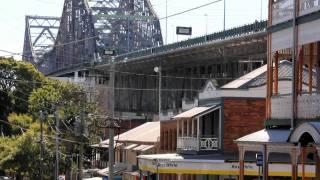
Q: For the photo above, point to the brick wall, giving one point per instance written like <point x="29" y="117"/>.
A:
<point x="168" y="136"/>
<point x="241" y="117"/>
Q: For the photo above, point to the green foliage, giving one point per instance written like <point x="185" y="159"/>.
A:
<point x="24" y="92"/>
<point x="22" y="121"/>
<point x="19" y="155"/>
<point x="17" y="81"/>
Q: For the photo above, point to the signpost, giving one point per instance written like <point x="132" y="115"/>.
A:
<point x="259" y="163"/>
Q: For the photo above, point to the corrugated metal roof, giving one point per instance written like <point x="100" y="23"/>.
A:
<point x="266" y="136"/>
<point x="194" y="112"/>
<point x="147" y="148"/>
<point x="246" y="78"/>
<point x="106" y="145"/>
<point x="258" y="77"/>
<point x="148" y="132"/>
<point x="141" y="147"/>
<point x="130" y="146"/>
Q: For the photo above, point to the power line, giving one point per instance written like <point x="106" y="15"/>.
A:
<point x="188" y="10"/>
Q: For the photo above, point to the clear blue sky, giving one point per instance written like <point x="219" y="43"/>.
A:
<point x="207" y="19"/>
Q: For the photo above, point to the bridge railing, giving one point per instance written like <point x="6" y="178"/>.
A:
<point x="230" y="33"/>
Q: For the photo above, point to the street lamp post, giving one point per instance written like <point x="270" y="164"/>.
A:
<point x="206" y="15"/>
<point x="158" y="70"/>
<point x="224" y="15"/>
<point x="166" y="22"/>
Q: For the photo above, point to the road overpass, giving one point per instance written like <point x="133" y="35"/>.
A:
<point x="186" y="66"/>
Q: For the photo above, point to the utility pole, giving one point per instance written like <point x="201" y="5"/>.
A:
<point x="111" y="112"/>
<point x="294" y="66"/>
<point x="159" y="70"/>
<point x="57" y="145"/>
<point x="109" y="121"/>
<point x="261" y="10"/>
<point x="41" y="145"/>
<point x="71" y="173"/>
<point x="81" y="136"/>
<point x="77" y="170"/>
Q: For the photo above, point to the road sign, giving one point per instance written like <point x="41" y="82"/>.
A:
<point x="184" y="30"/>
<point x="259" y="159"/>
<point x="109" y="52"/>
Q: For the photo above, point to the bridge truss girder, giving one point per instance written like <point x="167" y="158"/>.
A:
<point x="87" y="29"/>
<point x="40" y="36"/>
<point x="126" y="25"/>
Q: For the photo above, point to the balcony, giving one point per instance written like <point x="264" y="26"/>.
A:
<point x="282" y="11"/>
<point x="308" y="106"/>
<point x="199" y="130"/>
<point x="197" y="144"/>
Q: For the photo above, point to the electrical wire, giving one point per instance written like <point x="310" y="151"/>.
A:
<point x="188" y="10"/>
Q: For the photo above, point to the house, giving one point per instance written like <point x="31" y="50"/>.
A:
<point x="292" y="120"/>
<point x="199" y="143"/>
<point x="143" y="139"/>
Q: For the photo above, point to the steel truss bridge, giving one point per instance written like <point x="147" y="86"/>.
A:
<point x="89" y="28"/>
<point x="39" y="39"/>
<point x="132" y="29"/>
<point x="186" y="66"/>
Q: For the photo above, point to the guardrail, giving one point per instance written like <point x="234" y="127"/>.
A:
<point x="234" y="32"/>
<point x="205" y="143"/>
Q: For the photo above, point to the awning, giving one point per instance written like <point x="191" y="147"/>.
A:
<point x="130" y="146"/>
<point x="106" y="145"/>
<point x="146" y="133"/>
<point x="266" y="136"/>
<point x="141" y="147"/>
<point x="180" y="164"/>
<point x="148" y="147"/>
<point x="197" y="111"/>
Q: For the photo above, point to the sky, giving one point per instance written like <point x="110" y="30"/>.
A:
<point x="203" y="21"/>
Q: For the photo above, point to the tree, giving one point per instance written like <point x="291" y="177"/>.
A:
<point x="17" y="81"/>
<point x="24" y="92"/>
<point x="19" y="155"/>
<point x="69" y="100"/>
<point x="22" y="122"/>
